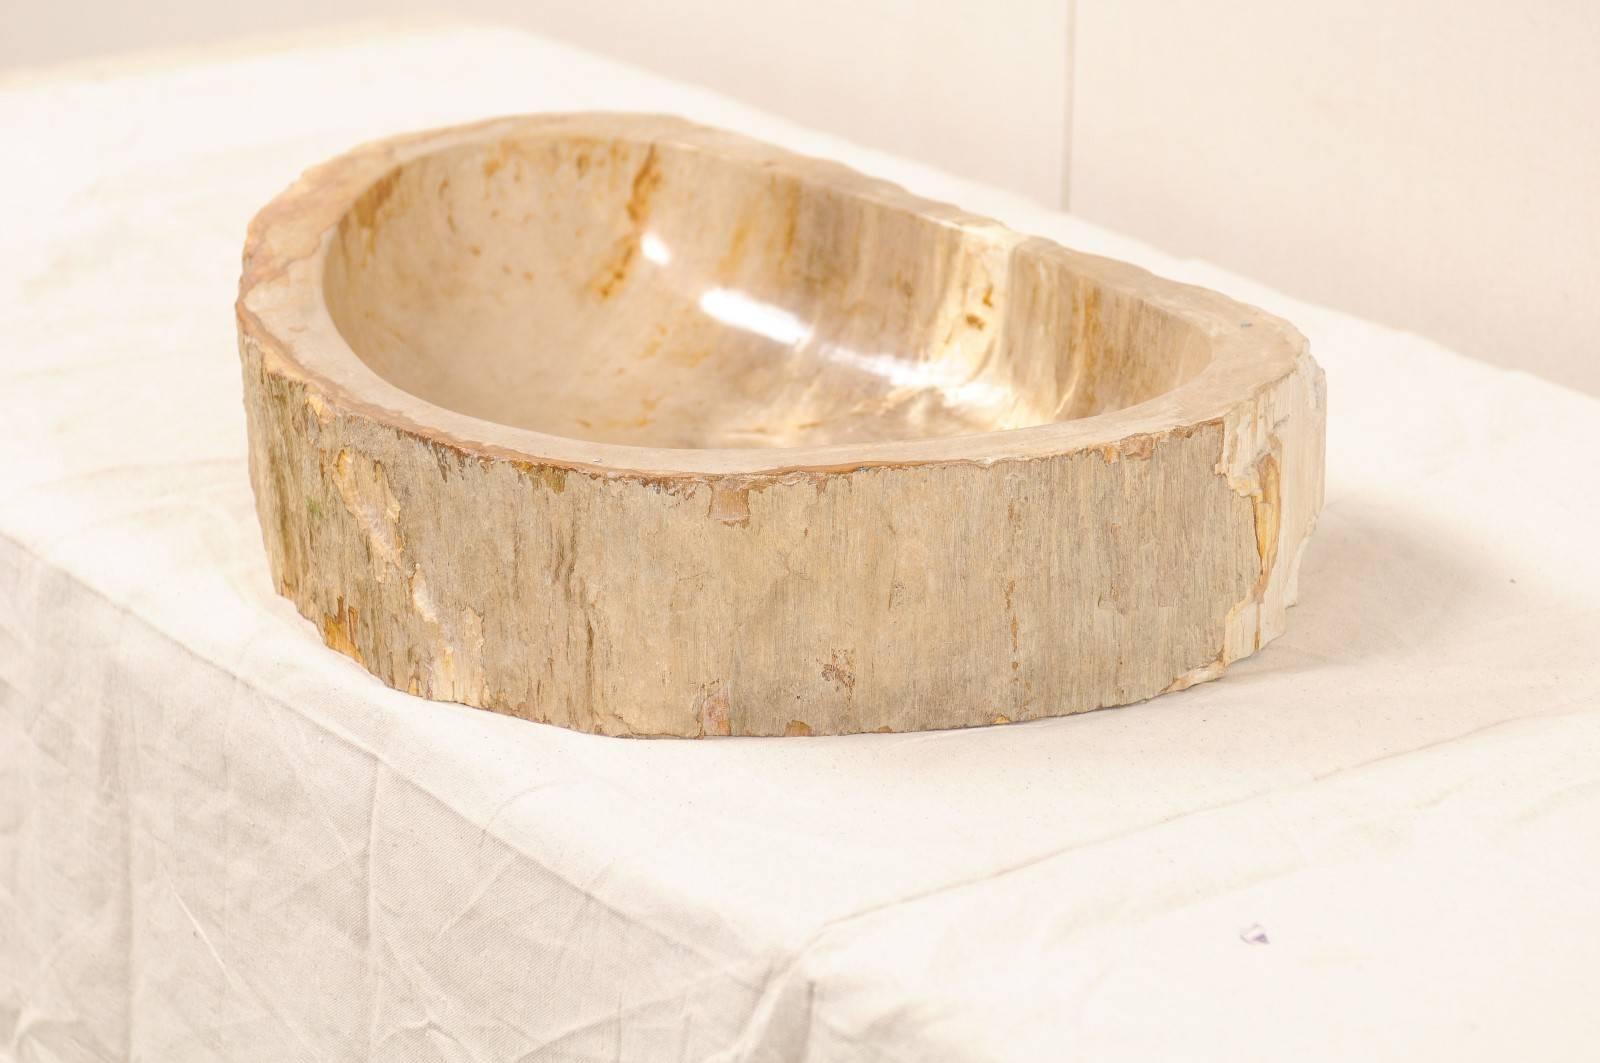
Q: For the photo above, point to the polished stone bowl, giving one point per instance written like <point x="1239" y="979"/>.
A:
<point x="638" y="427"/>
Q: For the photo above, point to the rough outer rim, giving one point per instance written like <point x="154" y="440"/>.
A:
<point x="280" y="296"/>
<point x="1261" y="398"/>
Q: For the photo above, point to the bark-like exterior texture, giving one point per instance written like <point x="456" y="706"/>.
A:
<point x="1074" y="486"/>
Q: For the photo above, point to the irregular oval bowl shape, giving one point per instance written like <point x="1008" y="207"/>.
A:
<point x="638" y="427"/>
<point x="615" y="285"/>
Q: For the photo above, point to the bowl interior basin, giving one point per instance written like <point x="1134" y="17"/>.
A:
<point x="655" y="290"/>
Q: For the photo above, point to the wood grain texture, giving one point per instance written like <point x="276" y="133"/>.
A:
<point x="640" y="428"/>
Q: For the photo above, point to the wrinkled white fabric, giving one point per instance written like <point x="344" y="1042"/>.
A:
<point x="1378" y="839"/>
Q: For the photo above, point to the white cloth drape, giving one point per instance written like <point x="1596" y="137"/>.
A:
<point x="1378" y="839"/>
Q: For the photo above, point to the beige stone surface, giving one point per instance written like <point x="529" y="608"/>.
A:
<point x="643" y="428"/>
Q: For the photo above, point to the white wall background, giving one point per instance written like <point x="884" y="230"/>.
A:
<point x="1434" y="165"/>
<point x="978" y="94"/>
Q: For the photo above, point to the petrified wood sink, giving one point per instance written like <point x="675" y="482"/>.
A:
<point x="638" y="427"/>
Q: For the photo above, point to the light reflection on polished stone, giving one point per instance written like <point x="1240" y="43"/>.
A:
<point x="639" y="282"/>
<point x="643" y="428"/>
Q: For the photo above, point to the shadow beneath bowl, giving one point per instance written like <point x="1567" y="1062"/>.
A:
<point x="1378" y="582"/>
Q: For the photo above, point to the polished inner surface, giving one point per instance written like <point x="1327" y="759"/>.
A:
<point x="669" y="293"/>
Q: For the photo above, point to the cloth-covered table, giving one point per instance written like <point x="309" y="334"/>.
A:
<point x="219" y="840"/>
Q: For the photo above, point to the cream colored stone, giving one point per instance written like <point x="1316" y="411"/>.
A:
<point x="641" y="428"/>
